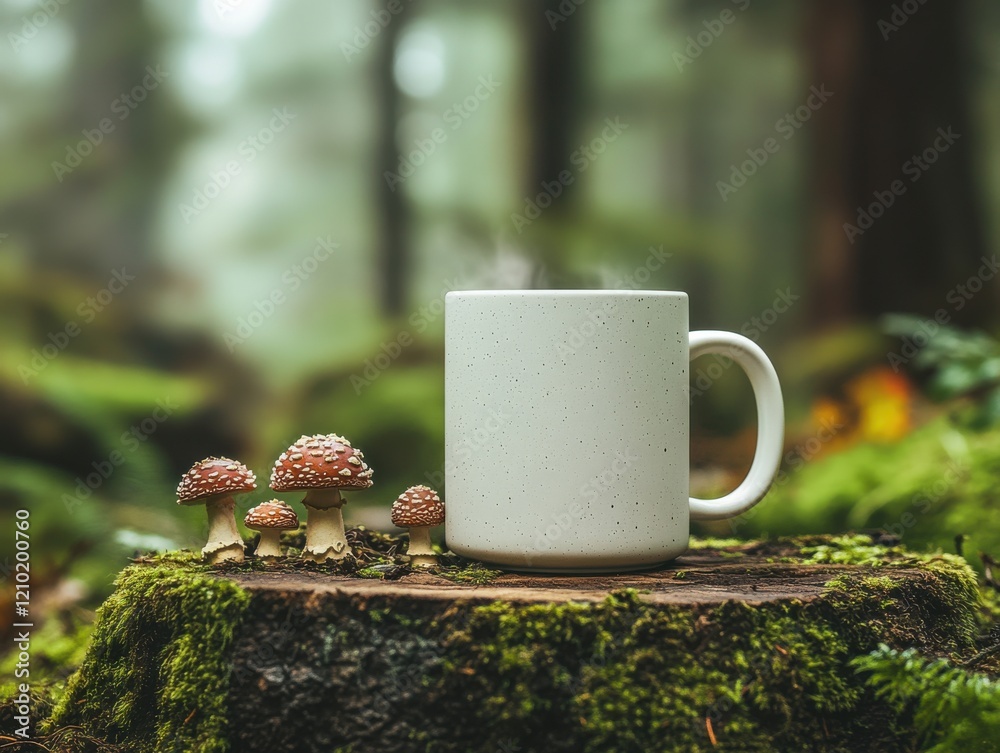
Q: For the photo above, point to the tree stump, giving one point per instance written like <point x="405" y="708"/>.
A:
<point x="733" y="647"/>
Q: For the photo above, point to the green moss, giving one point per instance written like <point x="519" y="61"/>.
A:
<point x="375" y="555"/>
<point x="621" y="674"/>
<point x="182" y="558"/>
<point x="935" y="484"/>
<point x="471" y="574"/>
<point x="626" y="675"/>
<point x="856" y="549"/>
<point x="156" y="676"/>
<point x="702" y="542"/>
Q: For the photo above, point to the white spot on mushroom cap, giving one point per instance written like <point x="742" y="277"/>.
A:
<point x="330" y="455"/>
<point x="272" y="514"/>
<point x="212" y="476"/>
<point x="418" y="506"/>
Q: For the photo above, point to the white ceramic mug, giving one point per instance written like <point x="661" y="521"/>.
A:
<point x="566" y="427"/>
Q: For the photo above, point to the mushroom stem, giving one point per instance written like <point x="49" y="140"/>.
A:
<point x="420" y="550"/>
<point x="325" y="537"/>
<point x="224" y="542"/>
<point x="269" y="546"/>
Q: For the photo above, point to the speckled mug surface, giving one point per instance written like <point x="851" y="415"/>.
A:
<point x="566" y="427"/>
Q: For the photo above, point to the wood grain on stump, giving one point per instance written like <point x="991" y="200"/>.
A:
<point x="694" y="579"/>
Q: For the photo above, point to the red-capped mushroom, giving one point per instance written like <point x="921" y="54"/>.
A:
<point x="213" y="482"/>
<point x="270" y="519"/>
<point x="419" y="508"/>
<point x="322" y="465"/>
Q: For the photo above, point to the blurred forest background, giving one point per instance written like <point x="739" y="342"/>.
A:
<point x="225" y="223"/>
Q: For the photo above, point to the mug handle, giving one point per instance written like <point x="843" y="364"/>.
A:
<point x="770" y="422"/>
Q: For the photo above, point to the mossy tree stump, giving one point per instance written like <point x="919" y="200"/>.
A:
<point x="731" y="648"/>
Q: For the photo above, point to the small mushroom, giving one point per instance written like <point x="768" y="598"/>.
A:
<point x="270" y="519"/>
<point x="213" y="482"/>
<point x="419" y="508"/>
<point x="322" y="465"/>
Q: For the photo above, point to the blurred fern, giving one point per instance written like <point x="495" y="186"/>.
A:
<point x="960" y="363"/>
<point x="953" y="710"/>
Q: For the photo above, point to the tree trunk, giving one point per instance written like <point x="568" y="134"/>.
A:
<point x="553" y="71"/>
<point x="899" y="82"/>
<point x="394" y="249"/>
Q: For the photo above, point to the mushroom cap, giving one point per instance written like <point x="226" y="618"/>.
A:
<point x="271" y="514"/>
<point x="213" y="476"/>
<point x="321" y="461"/>
<point x="418" y="506"/>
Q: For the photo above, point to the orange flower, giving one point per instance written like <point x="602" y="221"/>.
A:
<point x="884" y="400"/>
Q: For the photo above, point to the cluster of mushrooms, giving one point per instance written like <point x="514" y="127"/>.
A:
<point x="321" y="465"/>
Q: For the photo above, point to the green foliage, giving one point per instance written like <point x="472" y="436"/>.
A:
<point x="157" y="673"/>
<point x="960" y="363"/>
<point x="57" y="648"/>
<point x="473" y="574"/>
<point x="936" y="483"/>
<point x="952" y="709"/>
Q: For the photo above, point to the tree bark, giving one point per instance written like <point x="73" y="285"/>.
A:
<point x="899" y="82"/>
